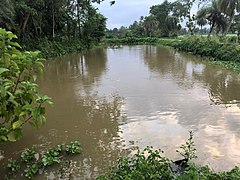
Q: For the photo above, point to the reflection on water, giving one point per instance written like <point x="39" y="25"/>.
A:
<point x="127" y="98"/>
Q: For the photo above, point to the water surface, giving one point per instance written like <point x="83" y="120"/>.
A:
<point x="132" y="97"/>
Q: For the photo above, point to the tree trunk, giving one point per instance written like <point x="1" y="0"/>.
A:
<point x="24" y="25"/>
<point x="79" y="23"/>
<point x="211" y="29"/>
<point x="53" y="22"/>
<point x="229" y="24"/>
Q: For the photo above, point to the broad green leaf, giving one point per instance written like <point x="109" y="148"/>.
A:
<point x="2" y="31"/>
<point x="40" y="64"/>
<point x="4" y="138"/>
<point x="18" y="91"/>
<point x="34" y="77"/>
<point x="3" y="91"/>
<point x="11" y="136"/>
<point x="2" y="70"/>
<point x="11" y="35"/>
<point x="34" y="125"/>
<point x="22" y="114"/>
<point x="17" y="124"/>
<point x="50" y="102"/>
<point x="15" y="44"/>
<point x="35" y="53"/>
<point x="43" y="120"/>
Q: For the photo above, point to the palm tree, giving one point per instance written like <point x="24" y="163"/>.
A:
<point x="201" y="22"/>
<point x="213" y="15"/>
<point x="229" y="8"/>
<point x="172" y="24"/>
<point x="7" y="14"/>
<point x="150" y="24"/>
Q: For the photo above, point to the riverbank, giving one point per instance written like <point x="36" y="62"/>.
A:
<point x="58" y="47"/>
<point x="220" y="51"/>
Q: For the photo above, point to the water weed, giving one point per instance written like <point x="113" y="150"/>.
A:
<point x="31" y="161"/>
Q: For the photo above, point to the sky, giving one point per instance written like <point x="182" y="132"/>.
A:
<point x="125" y="12"/>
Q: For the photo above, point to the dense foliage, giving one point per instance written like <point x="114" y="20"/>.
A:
<point x="130" y="41"/>
<point x="58" y="20"/>
<point x="222" y="52"/>
<point x="172" y="18"/>
<point x="151" y="164"/>
<point x="31" y="161"/>
<point x="141" y="166"/>
<point x="21" y="101"/>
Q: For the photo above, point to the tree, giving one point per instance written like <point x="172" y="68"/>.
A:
<point x="21" y="101"/>
<point x="160" y="13"/>
<point x="150" y="24"/>
<point x="236" y="26"/>
<point x="137" y="29"/>
<point x="94" y="27"/>
<point x="7" y="14"/>
<point x="49" y="19"/>
<point x="213" y="14"/>
<point x="229" y="7"/>
<point x="172" y="25"/>
<point x="201" y="21"/>
<point x="185" y="7"/>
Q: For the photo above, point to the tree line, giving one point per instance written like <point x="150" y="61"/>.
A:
<point x="53" y="19"/>
<point x="170" y="19"/>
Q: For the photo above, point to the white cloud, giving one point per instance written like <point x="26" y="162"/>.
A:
<point x="125" y="12"/>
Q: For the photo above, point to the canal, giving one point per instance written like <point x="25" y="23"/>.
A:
<point x="117" y="100"/>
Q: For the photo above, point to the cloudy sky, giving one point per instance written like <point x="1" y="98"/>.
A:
<point x="125" y="12"/>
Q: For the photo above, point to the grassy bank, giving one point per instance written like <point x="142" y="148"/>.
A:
<point x="130" y="41"/>
<point x="57" y="47"/>
<point x="222" y="51"/>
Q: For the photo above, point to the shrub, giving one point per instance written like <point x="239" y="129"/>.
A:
<point x="21" y="101"/>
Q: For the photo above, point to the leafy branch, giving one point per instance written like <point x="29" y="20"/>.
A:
<point x="188" y="150"/>
<point x="21" y="101"/>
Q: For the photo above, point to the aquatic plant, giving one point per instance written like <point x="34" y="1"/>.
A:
<point x="74" y="147"/>
<point x="27" y="155"/>
<point x="51" y="156"/>
<point x="14" y="166"/>
<point x="188" y="150"/>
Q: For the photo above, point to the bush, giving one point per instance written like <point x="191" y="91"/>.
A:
<point x="226" y="54"/>
<point x="150" y="165"/>
<point x="130" y="41"/>
<point x="21" y="101"/>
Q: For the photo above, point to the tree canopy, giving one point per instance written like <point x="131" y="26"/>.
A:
<point x="171" y="18"/>
<point x="52" y="19"/>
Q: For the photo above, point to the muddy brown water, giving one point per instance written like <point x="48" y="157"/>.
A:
<point x="118" y="100"/>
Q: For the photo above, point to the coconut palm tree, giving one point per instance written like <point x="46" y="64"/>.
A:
<point x="229" y="8"/>
<point x="201" y="22"/>
<point x="150" y="24"/>
<point x="172" y="25"/>
<point x="213" y="15"/>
